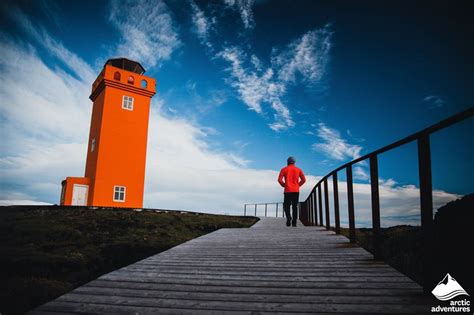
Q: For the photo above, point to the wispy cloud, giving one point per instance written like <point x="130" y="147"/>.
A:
<point x="201" y="24"/>
<point x="434" y="101"/>
<point x="257" y="87"/>
<point x="360" y="173"/>
<point x="147" y="30"/>
<point x="334" y="146"/>
<point x="306" y="56"/>
<point x="205" y="102"/>
<point x="55" y="48"/>
<point x="244" y="7"/>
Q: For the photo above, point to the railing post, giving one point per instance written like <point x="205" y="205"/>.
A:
<point x="277" y="209"/>
<point x="326" y="203"/>
<point x="255" y="209"/>
<point x="426" y="207"/>
<point x="315" y="207"/>
<point x="336" y="203"/>
<point x="350" y="203"/>
<point x="265" y="210"/>
<point x="374" y="192"/>
<point x="320" y="203"/>
<point x="308" y="209"/>
<point x="245" y="210"/>
<point x="308" y="213"/>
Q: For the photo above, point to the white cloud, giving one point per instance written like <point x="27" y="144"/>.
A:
<point x="434" y="100"/>
<point x="307" y="56"/>
<point x="360" y="173"/>
<point x="257" y="87"/>
<point x="147" y="31"/>
<point x="42" y="103"/>
<point x="207" y="102"/>
<point x="334" y="146"/>
<point x="12" y="202"/>
<point x="245" y="10"/>
<point x="202" y="25"/>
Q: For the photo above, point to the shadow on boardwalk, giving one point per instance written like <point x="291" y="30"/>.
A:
<point x="267" y="268"/>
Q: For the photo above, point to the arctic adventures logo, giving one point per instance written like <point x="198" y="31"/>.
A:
<point x="448" y="289"/>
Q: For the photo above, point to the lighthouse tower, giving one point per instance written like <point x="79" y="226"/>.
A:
<point x="116" y="154"/>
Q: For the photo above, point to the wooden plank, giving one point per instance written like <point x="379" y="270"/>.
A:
<point x="332" y="277"/>
<point x="262" y="283"/>
<point x="372" y="292"/>
<point x="99" y="308"/>
<point x="267" y="273"/>
<point x="83" y="300"/>
<point x="380" y="269"/>
<point x="246" y="297"/>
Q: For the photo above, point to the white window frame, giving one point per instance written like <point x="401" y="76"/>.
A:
<point x="127" y="102"/>
<point x="118" y="189"/>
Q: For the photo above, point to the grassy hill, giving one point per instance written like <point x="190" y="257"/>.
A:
<point x="47" y="251"/>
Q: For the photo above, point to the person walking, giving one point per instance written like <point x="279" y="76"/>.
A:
<point x="293" y="179"/>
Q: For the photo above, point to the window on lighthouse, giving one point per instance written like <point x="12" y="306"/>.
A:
<point x="119" y="193"/>
<point x="127" y="102"/>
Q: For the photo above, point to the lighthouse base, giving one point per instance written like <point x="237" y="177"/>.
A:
<point x="75" y="191"/>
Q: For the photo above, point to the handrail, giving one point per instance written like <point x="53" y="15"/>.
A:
<point x="312" y="207"/>
<point x="266" y="207"/>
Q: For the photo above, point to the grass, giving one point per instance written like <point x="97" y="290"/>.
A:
<point x="48" y="251"/>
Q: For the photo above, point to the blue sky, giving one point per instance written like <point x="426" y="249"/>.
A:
<point x="241" y="85"/>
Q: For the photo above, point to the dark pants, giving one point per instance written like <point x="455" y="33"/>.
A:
<point x="291" y="198"/>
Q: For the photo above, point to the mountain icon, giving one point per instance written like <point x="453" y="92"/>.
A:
<point x="448" y="288"/>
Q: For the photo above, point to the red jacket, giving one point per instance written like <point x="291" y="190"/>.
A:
<point x="292" y="175"/>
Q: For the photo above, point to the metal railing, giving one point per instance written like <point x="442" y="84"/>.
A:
<point x="311" y="210"/>
<point x="254" y="207"/>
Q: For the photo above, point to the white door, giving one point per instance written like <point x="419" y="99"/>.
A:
<point x="79" y="195"/>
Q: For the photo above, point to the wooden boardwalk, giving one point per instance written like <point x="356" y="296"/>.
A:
<point x="268" y="268"/>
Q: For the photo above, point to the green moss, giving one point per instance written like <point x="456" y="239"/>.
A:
<point x="47" y="251"/>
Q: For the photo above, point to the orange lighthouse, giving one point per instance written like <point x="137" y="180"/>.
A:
<point x="116" y="154"/>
